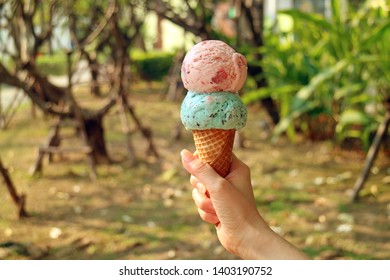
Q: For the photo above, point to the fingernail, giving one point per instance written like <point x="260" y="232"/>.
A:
<point x="187" y="156"/>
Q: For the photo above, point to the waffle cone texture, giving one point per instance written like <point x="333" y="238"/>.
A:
<point x="215" y="147"/>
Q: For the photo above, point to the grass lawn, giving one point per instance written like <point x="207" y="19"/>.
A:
<point x="146" y="211"/>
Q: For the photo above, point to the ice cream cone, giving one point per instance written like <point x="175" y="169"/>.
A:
<point x="213" y="73"/>
<point x="215" y="146"/>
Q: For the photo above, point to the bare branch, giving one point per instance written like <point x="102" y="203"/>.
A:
<point x="193" y="25"/>
<point x="255" y="30"/>
<point x="106" y="108"/>
<point x="92" y="36"/>
<point x="190" y="9"/>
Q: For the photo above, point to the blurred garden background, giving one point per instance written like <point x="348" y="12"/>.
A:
<point x="90" y="132"/>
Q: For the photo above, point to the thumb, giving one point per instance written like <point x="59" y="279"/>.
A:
<point x="204" y="173"/>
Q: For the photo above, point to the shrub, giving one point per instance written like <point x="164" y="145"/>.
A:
<point x="152" y="66"/>
<point x="54" y="64"/>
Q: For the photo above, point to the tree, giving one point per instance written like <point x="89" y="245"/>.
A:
<point x="91" y="33"/>
<point x="26" y="42"/>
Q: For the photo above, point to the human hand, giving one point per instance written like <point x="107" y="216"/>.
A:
<point x="231" y="207"/>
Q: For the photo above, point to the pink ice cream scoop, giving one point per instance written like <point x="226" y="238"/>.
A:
<point x="212" y="66"/>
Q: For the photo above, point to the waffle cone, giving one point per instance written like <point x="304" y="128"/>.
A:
<point x="215" y="146"/>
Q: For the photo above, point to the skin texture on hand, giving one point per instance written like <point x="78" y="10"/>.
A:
<point x="231" y="207"/>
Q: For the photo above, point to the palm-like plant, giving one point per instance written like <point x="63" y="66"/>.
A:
<point x="335" y="68"/>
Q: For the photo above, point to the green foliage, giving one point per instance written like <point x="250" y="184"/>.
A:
<point x="329" y="67"/>
<point x="152" y="65"/>
<point x="52" y="64"/>
<point x="7" y="61"/>
<point x="355" y="124"/>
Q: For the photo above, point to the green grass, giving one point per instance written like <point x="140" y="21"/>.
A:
<point x="315" y="251"/>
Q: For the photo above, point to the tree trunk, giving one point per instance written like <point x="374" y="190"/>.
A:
<point x="94" y="71"/>
<point x="159" y="42"/>
<point x="371" y="156"/>
<point x="94" y="133"/>
<point x="255" y="17"/>
<point x="95" y="89"/>
<point x="19" y="200"/>
<point x="269" y="105"/>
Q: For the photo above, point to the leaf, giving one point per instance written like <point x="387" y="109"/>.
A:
<point x="316" y="111"/>
<point x="256" y="95"/>
<point x="285" y="122"/>
<point x="377" y="34"/>
<point x="262" y="93"/>
<point x="317" y="20"/>
<point x="352" y="116"/>
<point x="363" y="98"/>
<point x="346" y="218"/>
<point x="305" y="92"/>
<point x="344" y="228"/>
<point x="336" y="11"/>
<point x="347" y="90"/>
<point x="368" y="58"/>
<point x="168" y="175"/>
<point x="55" y="233"/>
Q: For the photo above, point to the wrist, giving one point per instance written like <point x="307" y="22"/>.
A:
<point x="263" y="243"/>
<point x="258" y="238"/>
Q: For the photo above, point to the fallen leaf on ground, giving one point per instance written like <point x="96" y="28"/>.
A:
<point x="55" y="233"/>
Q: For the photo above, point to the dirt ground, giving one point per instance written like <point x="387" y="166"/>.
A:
<point x="146" y="212"/>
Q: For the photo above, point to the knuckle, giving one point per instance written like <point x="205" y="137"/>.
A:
<point x="198" y="165"/>
<point x="201" y="201"/>
<point x="195" y="197"/>
<point x="193" y="180"/>
<point x="219" y="185"/>
<point x="245" y="169"/>
<point x="204" y="204"/>
<point x="202" y="214"/>
<point x="207" y="217"/>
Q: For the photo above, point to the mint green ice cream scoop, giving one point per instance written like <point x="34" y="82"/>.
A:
<point x="213" y="110"/>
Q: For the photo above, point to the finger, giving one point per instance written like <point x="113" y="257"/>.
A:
<point x="203" y="202"/>
<point x="207" y="217"/>
<point x="193" y="181"/>
<point x="214" y="183"/>
<point x="198" y="185"/>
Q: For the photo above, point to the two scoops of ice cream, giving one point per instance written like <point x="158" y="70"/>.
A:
<point x="213" y="73"/>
